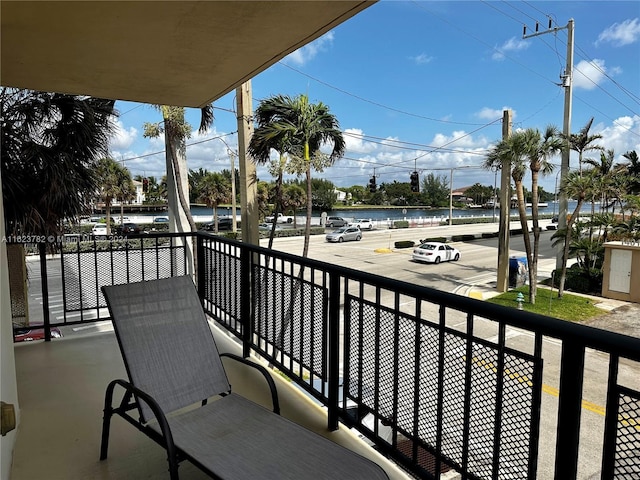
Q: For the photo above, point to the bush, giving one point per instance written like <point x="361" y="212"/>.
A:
<point x="462" y="238"/>
<point x="404" y="244"/>
<point x="434" y="239"/>
<point x="489" y="235"/>
<point x="400" y="224"/>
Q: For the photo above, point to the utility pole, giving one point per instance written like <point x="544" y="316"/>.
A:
<point x="232" y="156"/>
<point x="502" y="284"/>
<point x="451" y="198"/>
<point x="248" y="177"/>
<point x="567" y="84"/>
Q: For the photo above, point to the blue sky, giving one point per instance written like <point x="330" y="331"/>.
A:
<point x="423" y="84"/>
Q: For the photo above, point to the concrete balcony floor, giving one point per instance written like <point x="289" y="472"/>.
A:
<point x="61" y="387"/>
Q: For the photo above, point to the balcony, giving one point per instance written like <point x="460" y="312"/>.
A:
<point x="443" y="385"/>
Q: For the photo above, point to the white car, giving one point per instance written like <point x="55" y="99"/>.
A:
<point x="99" y="230"/>
<point x="435" y="252"/>
<point x="362" y="223"/>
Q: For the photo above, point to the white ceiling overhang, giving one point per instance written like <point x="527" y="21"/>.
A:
<point x="183" y="53"/>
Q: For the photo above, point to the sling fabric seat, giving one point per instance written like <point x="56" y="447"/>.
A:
<point x="178" y="384"/>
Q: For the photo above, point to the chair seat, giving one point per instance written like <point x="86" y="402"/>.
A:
<point x="241" y="440"/>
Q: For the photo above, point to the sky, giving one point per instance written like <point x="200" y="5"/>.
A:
<point x="423" y="85"/>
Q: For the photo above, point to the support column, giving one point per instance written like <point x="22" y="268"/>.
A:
<point x="248" y="178"/>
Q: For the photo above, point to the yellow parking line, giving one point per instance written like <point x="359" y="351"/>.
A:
<point x="624" y="419"/>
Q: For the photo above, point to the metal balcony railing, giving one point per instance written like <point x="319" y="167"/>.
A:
<point x="433" y="380"/>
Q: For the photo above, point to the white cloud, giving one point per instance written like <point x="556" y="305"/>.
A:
<point x="355" y="143"/>
<point x="421" y="59"/>
<point x="621" y="34"/>
<point x="588" y="75"/>
<point x="309" y="51"/>
<point x="492" y="114"/>
<point x="621" y="136"/>
<point x="122" y="137"/>
<point x="511" y="45"/>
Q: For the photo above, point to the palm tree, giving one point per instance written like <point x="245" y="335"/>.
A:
<point x="214" y="190"/>
<point x="633" y="171"/>
<point x="271" y="134"/>
<point x="514" y="150"/>
<point x="49" y="144"/>
<point x="114" y="182"/>
<point x="583" y="142"/>
<point x="294" y="197"/>
<point x="300" y="128"/>
<point x="539" y="149"/>
<point x="577" y="185"/>
<point x="176" y="130"/>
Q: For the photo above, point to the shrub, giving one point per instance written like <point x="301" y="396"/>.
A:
<point x="400" y="224"/>
<point x="404" y="244"/>
<point x="434" y="239"/>
<point x="489" y="235"/>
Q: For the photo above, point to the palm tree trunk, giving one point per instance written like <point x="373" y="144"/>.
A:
<point x="522" y="212"/>
<point x="533" y="265"/>
<point x="567" y="243"/>
<point x="307" y="228"/>
<point x="172" y="150"/>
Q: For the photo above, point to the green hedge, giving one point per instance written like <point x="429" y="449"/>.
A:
<point x="463" y="238"/>
<point x="404" y="244"/>
<point x="400" y="224"/>
<point x="434" y="239"/>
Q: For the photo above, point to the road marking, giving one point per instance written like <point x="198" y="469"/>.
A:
<point x="624" y="419"/>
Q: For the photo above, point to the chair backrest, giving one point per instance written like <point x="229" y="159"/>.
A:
<point x="166" y="342"/>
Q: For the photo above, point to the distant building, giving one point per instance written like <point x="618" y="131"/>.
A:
<point x="340" y="195"/>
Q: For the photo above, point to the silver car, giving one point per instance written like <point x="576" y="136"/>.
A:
<point x="344" y="235"/>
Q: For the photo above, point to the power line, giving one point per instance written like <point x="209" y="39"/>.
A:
<point x="377" y="104"/>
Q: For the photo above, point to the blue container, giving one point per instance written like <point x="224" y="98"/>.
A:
<point x="518" y="271"/>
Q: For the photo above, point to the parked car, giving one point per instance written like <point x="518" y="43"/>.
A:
<point x="344" y="234"/>
<point x="224" y="223"/>
<point x="268" y="227"/>
<point x="554" y="219"/>
<point x="161" y="220"/>
<point x="33" y="332"/>
<point x="128" y="227"/>
<point x="362" y="223"/>
<point x="435" y="252"/>
<point x="336" y="222"/>
<point x="99" y="230"/>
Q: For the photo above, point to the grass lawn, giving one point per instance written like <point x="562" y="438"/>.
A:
<point x="569" y="307"/>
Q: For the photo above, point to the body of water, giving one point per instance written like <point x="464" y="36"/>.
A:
<point x="383" y="213"/>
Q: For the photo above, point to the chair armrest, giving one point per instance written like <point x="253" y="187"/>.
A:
<point x="267" y="376"/>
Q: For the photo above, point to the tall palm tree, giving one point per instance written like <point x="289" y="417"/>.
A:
<point x="632" y="168"/>
<point x="272" y="134"/>
<point x="577" y="185"/>
<point x="114" y="182"/>
<point x="539" y="150"/>
<point x="49" y="144"/>
<point x="299" y="128"/>
<point x="582" y="142"/>
<point x="312" y="126"/>
<point x="176" y="131"/>
<point x="214" y="190"/>
<point x="514" y="150"/>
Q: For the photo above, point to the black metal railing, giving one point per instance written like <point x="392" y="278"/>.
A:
<point x="434" y="380"/>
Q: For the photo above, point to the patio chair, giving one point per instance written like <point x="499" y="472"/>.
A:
<point x="178" y="384"/>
